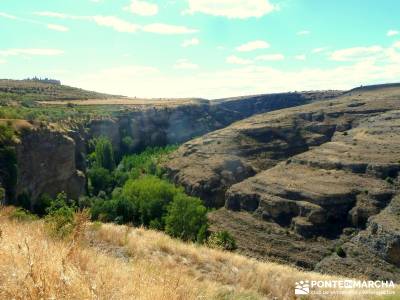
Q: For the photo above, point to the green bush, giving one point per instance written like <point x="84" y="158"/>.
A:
<point x="222" y="240"/>
<point x="186" y="217"/>
<point x="146" y="162"/>
<point x="154" y="203"/>
<point x="150" y="196"/>
<point x="42" y="204"/>
<point x="22" y="215"/>
<point x="340" y="252"/>
<point x="100" y="179"/>
<point x="104" y="153"/>
<point x="60" y="218"/>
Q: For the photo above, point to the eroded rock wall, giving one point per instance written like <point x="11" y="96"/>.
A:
<point x="47" y="164"/>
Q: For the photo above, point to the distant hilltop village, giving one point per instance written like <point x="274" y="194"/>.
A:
<point x="45" y="80"/>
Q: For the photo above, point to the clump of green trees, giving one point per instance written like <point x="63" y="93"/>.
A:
<point x="136" y="192"/>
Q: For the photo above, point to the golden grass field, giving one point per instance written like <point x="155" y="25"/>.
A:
<point x="105" y="261"/>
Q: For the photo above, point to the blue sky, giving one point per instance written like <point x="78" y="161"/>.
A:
<point x="201" y="48"/>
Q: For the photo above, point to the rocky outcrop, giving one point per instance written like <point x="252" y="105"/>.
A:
<point x="47" y="165"/>
<point x="175" y="124"/>
<point x="317" y="172"/>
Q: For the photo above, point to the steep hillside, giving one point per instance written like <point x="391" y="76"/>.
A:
<point x="118" y="262"/>
<point x="51" y="147"/>
<point x="35" y="90"/>
<point x="300" y="182"/>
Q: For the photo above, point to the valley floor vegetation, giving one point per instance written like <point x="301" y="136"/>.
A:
<point x="133" y="190"/>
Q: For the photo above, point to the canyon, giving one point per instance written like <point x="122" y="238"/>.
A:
<point x="292" y="176"/>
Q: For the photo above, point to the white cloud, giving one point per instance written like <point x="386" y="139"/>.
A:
<point x="53" y="14"/>
<point x="253" y="45"/>
<point x="300" y="57"/>
<point x="2" y="61"/>
<point x="116" y="23"/>
<point x="397" y="44"/>
<point x="392" y="32"/>
<point x="319" y="50"/>
<point x="142" y="8"/>
<point x="271" y="57"/>
<point x="49" y="26"/>
<point x="167" y="29"/>
<point x="233" y="59"/>
<point x="122" y="25"/>
<point x="356" y="53"/>
<point x="303" y="32"/>
<point x="190" y="42"/>
<point x="57" y="27"/>
<point x="7" y="16"/>
<point x="240" y="9"/>
<point x="184" y="64"/>
<point x="31" y="51"/>
<point x="234" y="81"/>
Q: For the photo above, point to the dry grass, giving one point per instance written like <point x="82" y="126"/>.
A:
<point x="118" y="262"/>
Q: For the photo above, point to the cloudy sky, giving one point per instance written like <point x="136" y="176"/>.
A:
<point x="201" y="48"/>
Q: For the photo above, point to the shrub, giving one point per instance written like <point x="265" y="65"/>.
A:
<point x="42" y="204"/>
<point x="340" y="252"/>
<point x="389" y="180"/>
<point x="127" y="144"/>
<point x="146" y="162"/>
<point x="22" y="215"/>
<point x="186" y="217"/>
<point x="24" y="200"/>
<point x="222" y="240"/>
<point x="150" y="197"/>
<point x="60" y="218"/>
<point x="100" y="179"/>
<point x="104" y="154"/>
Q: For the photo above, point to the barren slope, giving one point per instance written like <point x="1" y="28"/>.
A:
<point x="319" y="170"/>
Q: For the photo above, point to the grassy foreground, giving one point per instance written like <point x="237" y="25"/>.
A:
<point x="105" y="261"/>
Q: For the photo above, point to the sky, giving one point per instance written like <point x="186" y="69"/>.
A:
<point x="201" y="48"/>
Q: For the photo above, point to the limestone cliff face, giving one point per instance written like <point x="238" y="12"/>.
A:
<point x="161" y="125"/>
<point x="46" y="164"/>
<point x="298" y="182"/>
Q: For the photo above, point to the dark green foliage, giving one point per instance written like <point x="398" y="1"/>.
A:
<point x="340" y="252"/>
<point x="104" y="154"/>
<point x="145" y="198"/>
<point x="42" y="204"/>
<point x="222" y="240"/>
<point x="186" y="217"/>
<point x="157" y="204"/>
<point x="2" y="195"/>
<point x="127" y="144"/>
<point x="8" y="161"/>
<point x="60" y="202"/>
<point x="389" y="180"/>
<point x="60" y="217"/>
<point x="100" y="179"/>
<point x="150" y="196"/>
<point x="8" y="169"/>
<point x="24" y="200"/>
<point x="146" y="162"/>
